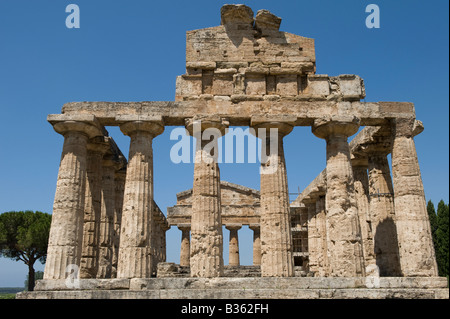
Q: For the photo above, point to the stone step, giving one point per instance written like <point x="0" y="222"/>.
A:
<point x="223" y="293"/>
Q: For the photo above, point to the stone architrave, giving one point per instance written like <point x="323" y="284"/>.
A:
<point x="206" y="249"/>
<point x="233" y="259"/>
<point x="135" y="235"/>
<point x="65" y="239"/>
<point x="417" y="256"/>
<point x="344" y="235"/>
<point x="276" y="239"/>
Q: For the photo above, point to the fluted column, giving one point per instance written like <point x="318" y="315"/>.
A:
<point x="417" y="256"/>
<point x="185" y="244"/>
<point x="256" y="244"/>
<point x="233" y="259"/>
<point x="206" y="258"/>
<point x="321" y="226"/>
<point x="383" y="215"/>
<point x="119" y="184"/>
<point x="105" y="249"/>
<point x="344" y="249"/>
<point x="276" y="239"/>
<point x="359" y="166"/>
<point x="92" y="207"/>
<point x="313" y="236"/>
<point x="135" y="237"/>
<point x="65" y="239"/>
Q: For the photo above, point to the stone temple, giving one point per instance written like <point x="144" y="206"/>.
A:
<point x="359" y="230"/>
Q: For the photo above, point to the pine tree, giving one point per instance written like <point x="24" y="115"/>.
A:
<point x="442" y="238"/>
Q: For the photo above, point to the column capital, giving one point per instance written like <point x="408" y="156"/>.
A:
<point x="98" y="144"/>
<point x="82" y="123"/>
<point x="255" y="227"/>
<point x="202" y="123"/>
<point x="184" y="227"/>
<point x="130" y="124"/>
<point x="233" y="226"/>
<point x="408" y="127"/>
<point x="359" y="161"/>
<point x="335" y="125"/>
<point x="284" y="124"/>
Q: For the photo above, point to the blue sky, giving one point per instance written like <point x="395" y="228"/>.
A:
<point x="133" y="51"/>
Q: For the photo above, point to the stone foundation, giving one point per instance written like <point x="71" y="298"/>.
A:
<point x="245" y="288"/>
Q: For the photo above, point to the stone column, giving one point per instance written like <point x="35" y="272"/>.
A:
<point x="344" y="234"/>
<point x="119" y="183"/>
<point x="105" y="251"/>
<point x="96" y="147"/>
<point x="313" y="236"/>
<point x="256" y="244"/>
<point x="417" y="256"/>
<point x="206" y="258"/>
<point x="276" y="239"/>
<point x="321" y="226"/>
<point x="361" y="184"/>
<point x="383" y="215"/>
<point x="65" y="239"/>
<point x="185" y="244"/>
<point x="233" y="259"/>
<point x="135" y="237"/>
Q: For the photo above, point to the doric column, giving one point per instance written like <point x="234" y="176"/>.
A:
<point x="135" y="237"/>
<point x="105" y="249"/>
<point x="185" y="244"/>
<point x="96" y="147"/>
<point x="119" y="184"/>
<point x="321" y="226"/>
<point x="206" y="223"/>
<point x="313" y="236"/>
<point x="256" y="244"/>
<point x="344" y="249"/>
<point x="383" y="215"/>
<point x="233" y="259"/>
<point x="276" y="239"/>
<point x="359" y="166"/>
<point x="65" y="239"/>
<point x="417" y="256"/>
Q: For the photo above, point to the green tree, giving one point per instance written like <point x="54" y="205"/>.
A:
<point x="433" y="222"/>
<point x="442" y="238"/>
<point x="24" y="236"/>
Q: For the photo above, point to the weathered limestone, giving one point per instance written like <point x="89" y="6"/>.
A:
<point x="382" y="215"/>
<point x="361" y="184"/>
<point x="244" y="72"/>
<point x="119" y="184"/>
<point x="65" y="239"/>
<point x="417" y="257"/>
<point x="206" y="258"/>
<point x="233" y="259"/>
<point x="256" y="244"/>
<point x="276" y="238"/>
<point x="135" y="251"/>
<point x="92" y="208"/>
<point x="185" y="244"/>
<point x="344" y="235"/>
<point x="106" y="221"/>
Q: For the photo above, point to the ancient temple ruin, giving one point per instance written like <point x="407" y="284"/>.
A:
<point x="355" y="231"/>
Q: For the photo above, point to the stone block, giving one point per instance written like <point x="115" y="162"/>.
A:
<point x="318" y="85"/>
<point x="287" y="85"/>
<point x="255" y="85"/>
